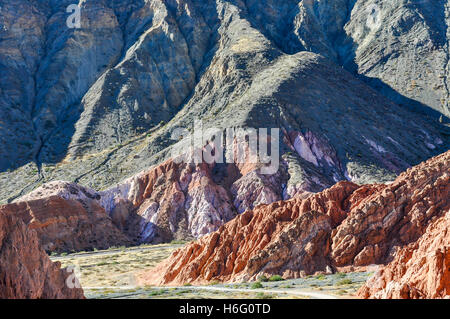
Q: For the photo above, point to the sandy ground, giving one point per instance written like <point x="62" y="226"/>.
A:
<point x="111" y="274"/>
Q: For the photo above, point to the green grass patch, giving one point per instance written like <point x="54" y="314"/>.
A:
<point x="263" y="278"/>
<point x="276" y="278"/>
<point x="257" y="285"/>
<point x="157" y="292"/>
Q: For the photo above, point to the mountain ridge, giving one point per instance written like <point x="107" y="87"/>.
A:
<point x="164" y="64"/>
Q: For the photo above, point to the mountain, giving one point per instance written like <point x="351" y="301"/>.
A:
<point x="110" y="110"/>
<point x="344" y="226"/>
<point x="358" y="89"/>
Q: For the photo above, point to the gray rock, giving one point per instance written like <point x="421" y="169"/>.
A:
<point x="98" y="104"/>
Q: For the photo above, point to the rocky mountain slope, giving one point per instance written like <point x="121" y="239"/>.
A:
<point x="356" y="87"/>
<point x="166" y="202"/>
<point x="346" y="225"/>
<point x="420" y="270"/>
<point x="64" y="225"/>
<point x="26" y="272"/>
<point x="359" y="90"/>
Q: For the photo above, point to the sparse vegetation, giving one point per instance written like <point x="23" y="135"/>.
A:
<point x="178" y="242"/>
<point x="257" y="285"/>
<point x="261" y="295"/>
<point x="213" y="283"/>
<point x="263" y="278"/>
<point x="276" y="278"/>
<point x="157" y="292"/>
<point x="344" y="282"/>
<point x="103" y="263"/>
<point x="119" y="267"/>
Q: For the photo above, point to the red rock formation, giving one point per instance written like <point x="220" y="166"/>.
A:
<point x="25" y="269"/>
<point x="344" y="225"/>
<point x="67" y="224"/>
<point x="394" y="216"/>
<point x="288" y="237"/>
<point x="420" y="270"/>
<point x="186" y="200"/>
<point x="173" y="200"/>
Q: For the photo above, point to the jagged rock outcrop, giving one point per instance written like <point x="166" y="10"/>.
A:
<point x="291" y="238"/>
<point x="170" y="201"/>
<point x="26" y="272"/>
<point x="420" y="270"/>
<point x="103" y="100"/>
<point x="173" y="200"/>
<point x="342" y="226"/>
<point x="396" y="215"/>
<point x="68" y="224"/>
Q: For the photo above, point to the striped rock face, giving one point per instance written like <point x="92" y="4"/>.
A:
<point x="346" y="225"/>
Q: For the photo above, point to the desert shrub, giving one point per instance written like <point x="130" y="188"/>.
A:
<point x="276" y="278"/>
<point x="257" y="285"/>
<point x="263" y="278"/>
<point x="344" y="282"/>
<point x="157" y="292"/>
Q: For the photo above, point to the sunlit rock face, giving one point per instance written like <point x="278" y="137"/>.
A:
<point x="174" y="200"/>
<point x="65" y="225"/>
<point x="345" y="225"/>
<point x="358" y="90"/>
<point x="355" y="87"/>
<point x="420" y="270"/>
